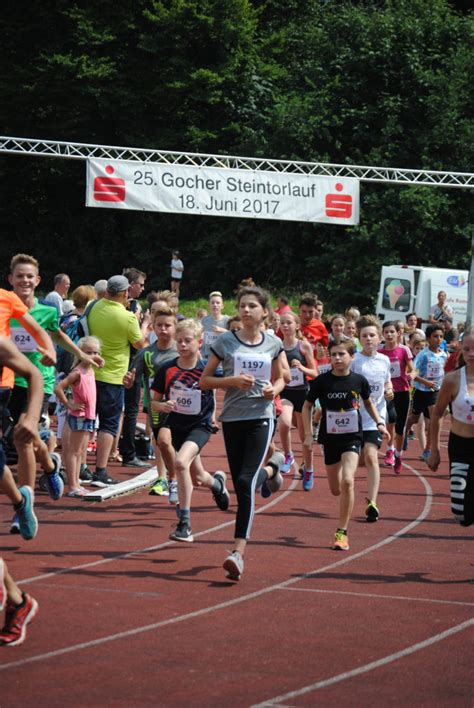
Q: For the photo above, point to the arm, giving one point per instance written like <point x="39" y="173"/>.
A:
<point x="209" y="381"/>
<point x="61" y="387"/>
<point x="278" y="381"/>
<point x="445" y="396"/>
<point x="45" y="345"/>
<point x="160" y="406"/>
<point x="66" y="343"/>
<point x="307" y="418"/>
<point x="26" y="430"/>
<point x="310" y="368"/>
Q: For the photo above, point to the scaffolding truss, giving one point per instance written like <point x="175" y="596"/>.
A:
<point x="85" y="151"/>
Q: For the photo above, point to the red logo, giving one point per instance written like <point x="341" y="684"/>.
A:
<point x="109" y="189"/>
<point x="339" y="205"/>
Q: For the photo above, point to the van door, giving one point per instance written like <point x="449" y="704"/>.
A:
<point x="396" y="293"/>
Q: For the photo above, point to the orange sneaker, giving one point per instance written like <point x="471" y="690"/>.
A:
<point x="341" y="541"/>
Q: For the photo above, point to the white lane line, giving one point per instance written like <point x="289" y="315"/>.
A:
<point x="369" y="667"/>
<point x="150" y="549"/>
<point x="230" y="603"/>
<point x="382" y="597"/>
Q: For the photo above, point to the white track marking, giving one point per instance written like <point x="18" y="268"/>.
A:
<point x="229" y="603"/>
<point x="369" y="667"/>
<point x="380" y="597"/>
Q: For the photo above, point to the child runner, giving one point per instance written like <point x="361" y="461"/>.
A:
<point x="251" y="361"/>
<point x="429" y="365"/>
<point x="376" y="369"/>
<point x="337" y="324"/>
<point x="340" y="431"/>
<point x="458" y="390"/>
<point x="400" y="367"/>
<point x="146" y="364"/>
<point x="20" y="609"/>
<point x="81" y="413"/>
<point x="234" y="324"/>
<point x="185" y="423"/>
<point x="299" y="354"/>
<point x="214" y="324"/>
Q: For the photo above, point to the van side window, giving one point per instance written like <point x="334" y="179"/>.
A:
<point x="396" y="294"/>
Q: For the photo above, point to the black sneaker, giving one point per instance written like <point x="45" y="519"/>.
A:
<point x="85" y="475"/>
<point x="221" y="497"/>
<point x="182" y="532"/>
<point x="102" y="479"/>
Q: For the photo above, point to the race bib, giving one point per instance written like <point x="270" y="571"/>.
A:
<point x="297" y="377"/>
<point x="339" y="422"/>
<point x="210" y="337"/>
<point x="257" y="365"/>
<point x="22" y="339"/>
<point x="434" y="370"/>
<point x="395" y="369"/>
<point x="375" y="390"/>
<point x="324" y="368"/>
<point x="188" y="400"/>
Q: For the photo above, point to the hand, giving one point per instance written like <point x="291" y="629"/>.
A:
<point x="434" y="460"/>
<point x="296" y="364"/>
<point x="168" y="406"/>
<point x="383" y="431"/>
<point x="268" y="392"/>
<point x="25" y="431"/>
<point x="244" y="382"/>
<point x="48" y="357"/>
<point x="94" y="360"/>
<point x="389" y="394"/>
<point x="76" y="406"/>
<point x="434" y="386"/>
<point x="129" y="378"/>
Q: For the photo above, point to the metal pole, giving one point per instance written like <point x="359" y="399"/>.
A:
<point x="470" y="288"/>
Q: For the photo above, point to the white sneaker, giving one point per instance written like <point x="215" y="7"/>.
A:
<point x="234" y="565"/>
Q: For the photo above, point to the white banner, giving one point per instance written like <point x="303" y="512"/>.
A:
<point x="213" y="191"/>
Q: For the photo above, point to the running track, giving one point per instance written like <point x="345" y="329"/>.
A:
<point x="129" y="618"/>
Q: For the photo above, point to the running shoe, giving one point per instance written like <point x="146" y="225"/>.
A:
<point x="16" y="619"/>
<point x="102" y="479"/>
<point x="275" y="483"/>
<point x="53" y="480"/>
<point x="234" y="565"/>
<point x="411" y="435"/>
<point x="15" y="525"/>
<point x="3" y="590"/>
<point x="27" y="521"/>
<point x="85" y="475"/>
<point x="389" y="458"/>
<point x="425" y="455"/>
<point x="341" y="541"/>
<point x="398" y="466"/>
<point x="221" y="497"/>
<point x="173" y="492"/>
<point x="92" y="446"/>
<point x="308" y="480"/>
<point x="182" y="532"/>
<point x="288" y="463"/>
<point x="371" y="511"/>
<point x="160" y="488"/>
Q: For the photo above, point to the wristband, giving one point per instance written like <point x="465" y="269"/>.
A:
<point x="380" y="423"/>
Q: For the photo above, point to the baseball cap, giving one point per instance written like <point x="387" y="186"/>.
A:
<point x="117" y="284"/>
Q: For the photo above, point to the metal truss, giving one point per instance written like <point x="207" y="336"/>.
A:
<point x="84" y="151"/>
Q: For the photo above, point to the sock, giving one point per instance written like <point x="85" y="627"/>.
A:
<point x="308" y="469"/>
<point x="99" y="470"/>
<point x="344" y="531"/>
<point x="398" y="453"/>
<point x="185" y="515"/>
<point x="22" y="603"/>
<point x="392" y="447"/>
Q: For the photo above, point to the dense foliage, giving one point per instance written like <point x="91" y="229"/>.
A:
<point x="381" y="82"/>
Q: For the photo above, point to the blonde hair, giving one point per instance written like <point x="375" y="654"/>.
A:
<point x="297" y="321"/>
<point x="23" y="259"/>
<point x="216" y="293"/>
<point x="84" y="342"/>
<point x="192" y="326"/>
<point x="368" y="321"/>
<point x="164" y="311"/>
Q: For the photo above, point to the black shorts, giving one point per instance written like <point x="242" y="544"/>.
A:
<point x="422" y="400"/>
<point x="333" y="451"/>
<point x="372" y="436"/>
<point x="176" y="280"/>
<point x="199" y="436"/>
<point x="461" y="475"/>
<point x="296" y="396"/>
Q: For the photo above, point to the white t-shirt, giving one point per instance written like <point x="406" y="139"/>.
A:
<point x="376" y="370"/>
<point x="53" y="298"/>
<point x="175" y="264"/>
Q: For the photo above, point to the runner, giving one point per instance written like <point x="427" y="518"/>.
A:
<point x="81" y="413"/>
<point x="340" y="431"/>
<point x="185" y="423"/>
<point x="376" y="369"/>
<point x="458" y="390"/>
<point x="214" y="324"/>
<point x="299" y="354"/>
<point x="429" y="365"/>
<point x="312" y="328"/>
<point x="400" y="367"/>
<point x="250" y="359"/>
<point x="20" y="609"/>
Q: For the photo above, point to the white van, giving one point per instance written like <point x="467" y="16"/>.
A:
<point x="405" y="289"/>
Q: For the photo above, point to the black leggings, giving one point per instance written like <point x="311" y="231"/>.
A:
<point x="401" y="401"/>
<point x="246" y="444"/>
<point x="461" y="474"/>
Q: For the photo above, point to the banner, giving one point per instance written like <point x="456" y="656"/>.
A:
<point x="213" y="191"/>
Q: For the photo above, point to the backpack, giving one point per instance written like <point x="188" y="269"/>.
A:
<point x="75" y="329"/>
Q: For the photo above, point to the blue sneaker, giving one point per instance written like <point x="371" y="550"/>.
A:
<point x="288" y="463"/>
<point x="53" y="481"/>
<point x="26" y="515"/>
<point x="308" y="480"/>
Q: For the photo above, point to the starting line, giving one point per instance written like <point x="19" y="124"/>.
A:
<point x="145" y="479"/>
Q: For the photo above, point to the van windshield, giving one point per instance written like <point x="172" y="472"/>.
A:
<point x="396" y="294"/>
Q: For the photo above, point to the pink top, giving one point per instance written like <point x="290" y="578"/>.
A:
<point x="399" y="358"/>
<point x="84" y="391"/>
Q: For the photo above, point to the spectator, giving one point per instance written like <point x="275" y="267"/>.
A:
<point x="100" y="287"/>
<point x="441" y="310"/>
<point x="117" y="329"/>
<point x="56" y="297"/>
<point x="177" y="268"/>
